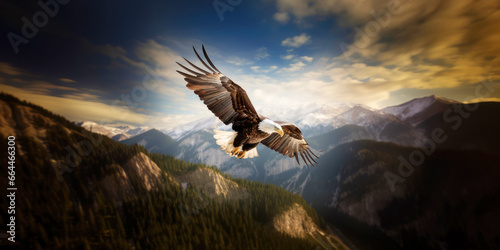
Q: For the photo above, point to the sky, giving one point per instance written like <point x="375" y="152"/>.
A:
<point x="114" y="62"/>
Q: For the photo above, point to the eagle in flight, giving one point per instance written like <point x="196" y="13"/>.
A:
<point x="230" y="103"/>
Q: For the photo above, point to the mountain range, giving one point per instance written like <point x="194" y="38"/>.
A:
<point x="117" y="133"/>
<point x="194" y="141"/>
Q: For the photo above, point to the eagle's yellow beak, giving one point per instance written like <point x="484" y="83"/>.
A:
<point x="279" y="131"/>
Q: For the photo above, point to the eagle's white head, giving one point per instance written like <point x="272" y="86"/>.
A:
<point x="270" y="127"/>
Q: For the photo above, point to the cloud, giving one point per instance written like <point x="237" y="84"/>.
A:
<point x="294" y="67"/>
<point x="168" y="122"/>
<point x="397" y="45"/>
<point x="46" y="86"/>
<point x="109" y="50"/>
<point x="307" y="58"/>
<point x="288" y="57"/>
<point x="170" y="85"/>
<point x="297" y="64"/>
<point x="66" y="80"/>
<point x="160" y="56"/>
<point x="281" y="17"/>
<point x="8" y="69"/>
<point x="258" y="69"/>
<point x="77" y="109"/>
<point x="261" y="53"/>
<point x="41" y="86"/>
<point x="348" y="11"/>
<point x="483" y="99"/>
<point x="238" y="61"/>
<point x="452" y="41"/>
<point x="82" y="96"/>
<point x="296" y="41"/>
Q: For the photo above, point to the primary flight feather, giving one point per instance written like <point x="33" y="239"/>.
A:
<point x="230" y="103"/>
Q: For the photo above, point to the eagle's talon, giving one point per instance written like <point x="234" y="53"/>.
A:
<point x="235" y="150"/>
<point x="241" y="154"/>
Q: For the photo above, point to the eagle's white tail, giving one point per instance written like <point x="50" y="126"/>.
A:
<point x="226" y="138"/>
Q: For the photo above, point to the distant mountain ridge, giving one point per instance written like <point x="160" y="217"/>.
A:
<point x="313" y="119"/>
<point x="419" y="109"/>
<point x="115" y="132"/>
<point x="153" y="140"/>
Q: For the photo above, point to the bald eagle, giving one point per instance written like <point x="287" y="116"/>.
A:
<point x="230" y="103"/>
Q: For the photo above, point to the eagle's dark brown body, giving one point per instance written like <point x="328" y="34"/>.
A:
<point x="249" y="135"/>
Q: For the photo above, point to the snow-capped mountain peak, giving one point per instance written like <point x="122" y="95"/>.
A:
<point x="419" y="109"/>
<point x="205" y="123"/>
<point x="116" y="132"/>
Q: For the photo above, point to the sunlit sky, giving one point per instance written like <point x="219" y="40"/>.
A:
<point x="114" y="62"/>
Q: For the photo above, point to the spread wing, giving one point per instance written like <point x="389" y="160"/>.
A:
<point x="291" y="143"/>
<point x="226" y="99"/>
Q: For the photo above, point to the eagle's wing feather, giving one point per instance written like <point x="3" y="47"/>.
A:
<point x="291" y="143"/>
<point x="226" y="99"/>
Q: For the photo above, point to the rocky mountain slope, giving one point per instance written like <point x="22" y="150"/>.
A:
<point x="296" y="223"/>
<point x="213" y="185"/>
<point x="118" y="186"/>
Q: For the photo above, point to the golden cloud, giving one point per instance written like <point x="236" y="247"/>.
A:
<point x="77" y="109"/>
<point x="408" y="44"/>
<point x="66" y="80"/>
<point x="8" y="69"/>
